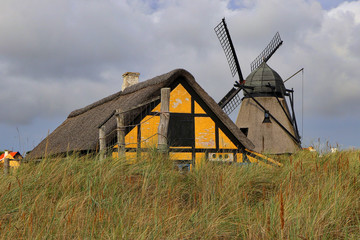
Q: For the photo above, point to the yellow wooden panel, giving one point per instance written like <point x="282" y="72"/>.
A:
<point x="199" y="109"/>
<point x="239" y="157"/>
<point x="252" y="159"/>
<point x="204" y="132"/>
<point x="180" y="100"/>
<point x="14" y="163"/>
<point x="130" y="156"/>
<point x="149" y="129"/>
<point x="224" y="141"/>
<point x="180" y="156"/>
<point x="199" y="159"/>
<point x="183" y="148"/>
<point x="157" y="108"/>
<point x="131" y="138"/>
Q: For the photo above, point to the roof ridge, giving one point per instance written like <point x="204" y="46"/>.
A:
<point x="152" y="81"/>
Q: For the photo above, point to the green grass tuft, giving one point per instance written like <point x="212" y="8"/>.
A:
<point x="310" y="197"/>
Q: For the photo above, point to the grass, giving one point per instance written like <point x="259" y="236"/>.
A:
<point x="310" y="197"/>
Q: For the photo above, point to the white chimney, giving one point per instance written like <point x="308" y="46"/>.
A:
<point x="6" y="153"/>
<point x="129" y="79"/>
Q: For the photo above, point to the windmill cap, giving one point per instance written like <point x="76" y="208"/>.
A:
<point x="264" y="81"/>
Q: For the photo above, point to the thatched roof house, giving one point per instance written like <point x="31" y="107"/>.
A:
<point x="80" y="131"/>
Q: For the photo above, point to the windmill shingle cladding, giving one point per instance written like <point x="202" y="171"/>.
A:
<point x="260" y="78"/>
<point x="79" y="132"/>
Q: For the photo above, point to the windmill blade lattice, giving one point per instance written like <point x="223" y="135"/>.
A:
<point x="266" y="54"/>
<point x="226" y="43"/>
<point x="231" y="101"/>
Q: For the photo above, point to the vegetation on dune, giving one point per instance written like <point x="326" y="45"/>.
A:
<point x="310" y="197"/>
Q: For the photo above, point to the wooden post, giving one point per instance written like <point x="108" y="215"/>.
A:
<point x="164" y="121"/>
<point x="102" y="142"/>
<point x="6" y="166"/>
<point x="120" y="122"/>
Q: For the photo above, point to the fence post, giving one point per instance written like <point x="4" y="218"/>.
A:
<point x="120" y="122"/>
<point x="102" y="142"/>
<point x="164" y="121"/>
<point x="6" y="166"/>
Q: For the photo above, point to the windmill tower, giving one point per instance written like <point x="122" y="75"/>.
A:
<point x="264" y="115"/>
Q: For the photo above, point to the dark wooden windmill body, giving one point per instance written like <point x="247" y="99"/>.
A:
<point x="264" y="115"/>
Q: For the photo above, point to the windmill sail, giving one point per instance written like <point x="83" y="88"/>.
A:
<point x="231" y="100"/>
<point x="264" y="115"/>
<point x="223" y="35"/>
<point x="266" y="54"/>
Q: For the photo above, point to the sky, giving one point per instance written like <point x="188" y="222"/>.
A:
<point x="60" y="55"/>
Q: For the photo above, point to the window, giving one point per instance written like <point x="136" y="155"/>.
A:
<point x="245" y="131"/>
<point x="181" y="130"/>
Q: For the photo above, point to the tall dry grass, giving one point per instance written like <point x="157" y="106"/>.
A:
<point x="310" y="197"/>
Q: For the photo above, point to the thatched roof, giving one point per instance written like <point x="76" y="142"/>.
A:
<point x="79" y="132"/>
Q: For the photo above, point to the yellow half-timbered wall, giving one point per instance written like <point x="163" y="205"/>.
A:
<point x="210" y="142"/>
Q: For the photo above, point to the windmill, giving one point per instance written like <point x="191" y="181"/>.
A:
<point x="264" y="115"/>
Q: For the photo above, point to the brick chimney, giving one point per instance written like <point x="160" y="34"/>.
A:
<point x="129" y="79"/>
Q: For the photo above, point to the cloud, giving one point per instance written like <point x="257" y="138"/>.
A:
<point x="346" y="9"/>
<point x="70" y="38"/>
<point x="55" y="56"/>
<point x="31" y="99"/>
<point x="333" y="55"/>
<point x="59" y="55"/>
